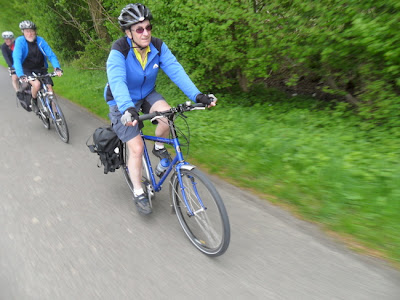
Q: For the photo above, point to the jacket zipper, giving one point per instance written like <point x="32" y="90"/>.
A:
<point x="141" y="89"/>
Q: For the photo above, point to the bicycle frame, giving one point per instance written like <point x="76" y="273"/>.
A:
<point x="178" y="162"/>
<point x="46" y="102"/>
<point x="49" y="107"/>
<point x="179" y="157"/>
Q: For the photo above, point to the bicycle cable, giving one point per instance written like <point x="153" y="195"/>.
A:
<point x="182" y="135"/>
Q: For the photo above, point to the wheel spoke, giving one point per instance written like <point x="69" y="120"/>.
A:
<point x="200" y="215"/>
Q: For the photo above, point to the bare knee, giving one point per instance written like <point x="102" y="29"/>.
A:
<point x="35" y="85"/>
<point x="135" y="147"/>
<point x="160" y="105"/>
<point x="163" y="125"/>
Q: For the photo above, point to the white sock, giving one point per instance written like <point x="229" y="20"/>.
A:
<point x="138" y="192"/>
<point x="158" y="147"/>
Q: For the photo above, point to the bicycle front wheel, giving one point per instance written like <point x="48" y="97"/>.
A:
<point x="60" y="122"/>
<point x="43" y="112"/>
<point x="203" y="217"/>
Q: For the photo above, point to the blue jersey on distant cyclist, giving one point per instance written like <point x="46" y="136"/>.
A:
<point x="21" y="50"/>
<point x="128" y="82"/>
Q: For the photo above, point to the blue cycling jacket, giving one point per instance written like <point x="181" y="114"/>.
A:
<point x="129" y="83"/>
<point x="21" y="52"/>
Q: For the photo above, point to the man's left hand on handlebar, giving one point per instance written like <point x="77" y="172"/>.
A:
<point x="58" y="71"/>
<point x="209" y="100"/>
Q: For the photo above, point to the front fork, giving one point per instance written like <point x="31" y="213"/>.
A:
<point x="178" y="176"/>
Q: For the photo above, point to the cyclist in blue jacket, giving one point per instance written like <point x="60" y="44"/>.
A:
<point x="6" y="49"/>
<point x="132" y="68"/>
<point x="30" y="55"/>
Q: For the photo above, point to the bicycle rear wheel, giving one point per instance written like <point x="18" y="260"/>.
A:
<point x="208" y="227"/>
<point x="43" y="112"/>
<point x="60" y="122"/>
<point x="125" y="169"/>
<point x="146" y="181"/>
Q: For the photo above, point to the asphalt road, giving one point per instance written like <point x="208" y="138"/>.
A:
<point x="67" y="231"/>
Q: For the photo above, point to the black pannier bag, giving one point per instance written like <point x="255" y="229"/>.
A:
<point x="109" y="148"/>
<point x="24" y="96"/>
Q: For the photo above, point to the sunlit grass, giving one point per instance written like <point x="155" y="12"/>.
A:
<point x="85" y="88"/>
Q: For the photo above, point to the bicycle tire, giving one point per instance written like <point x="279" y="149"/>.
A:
<point x="125" y="169"/>
<point x="208" y="229"/>
<point x="60" y="122"/>
<point x="43" y="112"/>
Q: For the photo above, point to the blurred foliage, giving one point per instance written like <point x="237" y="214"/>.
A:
<point x="57" y="22"/>
<point x="349" y="48"/>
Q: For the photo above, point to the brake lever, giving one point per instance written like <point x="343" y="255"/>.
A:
<point x="155" y="119"/>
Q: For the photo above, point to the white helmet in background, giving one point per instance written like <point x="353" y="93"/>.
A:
<point x="7" y="35"/>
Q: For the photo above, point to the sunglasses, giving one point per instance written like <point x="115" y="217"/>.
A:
<point x="140" y="30"/>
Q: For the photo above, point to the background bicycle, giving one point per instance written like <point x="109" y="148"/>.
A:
<point x="196" y="202"/>
<point x="49" y="109"/>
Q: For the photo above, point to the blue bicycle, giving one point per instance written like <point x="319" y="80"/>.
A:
<point x="49" y="109"/>
<point x="196" y="202"/>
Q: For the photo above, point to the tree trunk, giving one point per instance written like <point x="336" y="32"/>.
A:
<point x="349" y="97"/>
<point x="95" y="8"/>
<point x="243" y="82"/>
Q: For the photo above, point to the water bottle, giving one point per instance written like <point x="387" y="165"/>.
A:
<point x="162" y="166"/>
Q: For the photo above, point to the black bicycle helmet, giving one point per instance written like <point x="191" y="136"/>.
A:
<point x="132" y="14"/>
<point x="7" y="35"/>
<point x="27" y="25"/>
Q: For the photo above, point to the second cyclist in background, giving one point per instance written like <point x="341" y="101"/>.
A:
<point x="7" y="49"/>
<point x="30" y="56"/>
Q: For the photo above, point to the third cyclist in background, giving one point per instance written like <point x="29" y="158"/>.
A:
<point x="7" y="49"/>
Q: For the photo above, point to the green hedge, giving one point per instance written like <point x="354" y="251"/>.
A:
<point x="349" y="48"/>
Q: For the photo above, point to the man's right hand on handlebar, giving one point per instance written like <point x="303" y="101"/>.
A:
<point x="11" y="70"/>
<point x="130" y="117"/>
<point x="209" y="100"/>
<point x="23" y="78"/>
